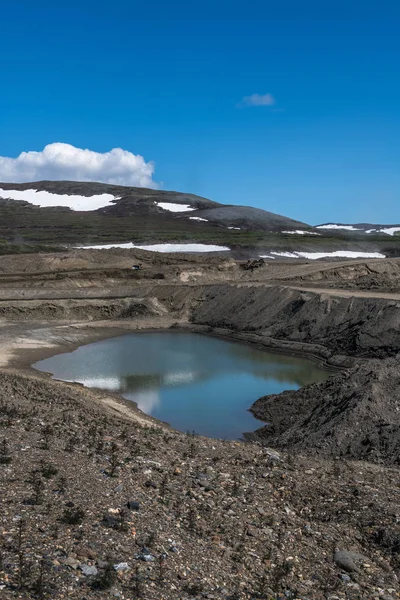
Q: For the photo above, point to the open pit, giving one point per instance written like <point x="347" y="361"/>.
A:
<point x="287" y="516"/>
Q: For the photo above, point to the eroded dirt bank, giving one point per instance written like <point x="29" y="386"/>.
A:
<point x="354" y="326"/>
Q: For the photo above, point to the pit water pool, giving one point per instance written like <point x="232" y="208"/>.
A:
<point x="193" y="382"/>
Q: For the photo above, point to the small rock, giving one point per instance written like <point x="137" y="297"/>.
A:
<point x="345" y="577"/>
<point x="71" y="562"/>
<point x="348" y="560"/>
<point x="119" y="488"/>
<point x="252" y="531"/>
<point x="148" y="558"/>
<point x="145" y="555"/>
<point x="132" y="505"/>
<point x="273" y="455"/>
<point x="122" y="567"/>
<point x="88" y="570"/>
<point x="150" y="484"/>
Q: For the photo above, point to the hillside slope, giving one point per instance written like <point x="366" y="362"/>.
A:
<point x="132" y="201"/>
<point x="46" y="214"/>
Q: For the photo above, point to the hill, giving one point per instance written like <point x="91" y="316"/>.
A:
<point x="46" y="214"/>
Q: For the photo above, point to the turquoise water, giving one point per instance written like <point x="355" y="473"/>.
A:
<point x="193" y="382"/>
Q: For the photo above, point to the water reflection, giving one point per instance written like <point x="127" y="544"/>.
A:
<point x="192" y="381"/>
<point x="147" y="400"/>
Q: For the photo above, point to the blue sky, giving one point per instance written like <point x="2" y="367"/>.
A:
<point x="166" y="80"/>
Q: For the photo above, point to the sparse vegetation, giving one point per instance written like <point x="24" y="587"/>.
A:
<point x="73" y="516"/>
<point x="106" y="579"/>
<point x="240" y="531"/>
<point x="5" y="457"/>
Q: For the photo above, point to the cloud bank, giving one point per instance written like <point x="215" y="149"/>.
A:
<point x="258" y="100"/>
<point x="65" y="162"/>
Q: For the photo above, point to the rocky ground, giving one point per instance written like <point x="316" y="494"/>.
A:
<point x="95" y="505"/>
<point x="99" y="501"/>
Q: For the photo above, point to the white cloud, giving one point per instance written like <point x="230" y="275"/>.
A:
<point x="258" y="100"/>
<point x="62" y="161"/>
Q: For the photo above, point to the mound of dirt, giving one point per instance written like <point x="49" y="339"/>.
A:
<point x="353" y="414"/>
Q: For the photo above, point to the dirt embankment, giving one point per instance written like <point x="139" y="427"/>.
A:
<point x="318" y="323"/>
<point x="383" y="275"/>
<point x="354" y="414"/>
<point x="93" y="310"/>
<point x="355" y="326"/>
<point x="365" y="327"/>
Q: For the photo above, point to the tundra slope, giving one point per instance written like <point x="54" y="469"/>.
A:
<point x="146" y="217"/>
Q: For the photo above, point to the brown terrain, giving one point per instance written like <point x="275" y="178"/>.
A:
<point x="99" y="500"/>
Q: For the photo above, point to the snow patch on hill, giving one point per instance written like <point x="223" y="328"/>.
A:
<point x="198" y="219"/>
<point x="172" y="207"/>
<point x="316" y="255"/>
<point x="387" y="230"/>
<point x="335" y="226"/>
<point x="376" y="229"/>
<point x="161" y="247"/>
<point x="46" y="199"/>
<point x="302" y="232"/>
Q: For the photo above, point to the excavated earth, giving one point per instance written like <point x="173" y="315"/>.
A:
<point x="100" y="500"/>
<point x="352" y="414"/>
